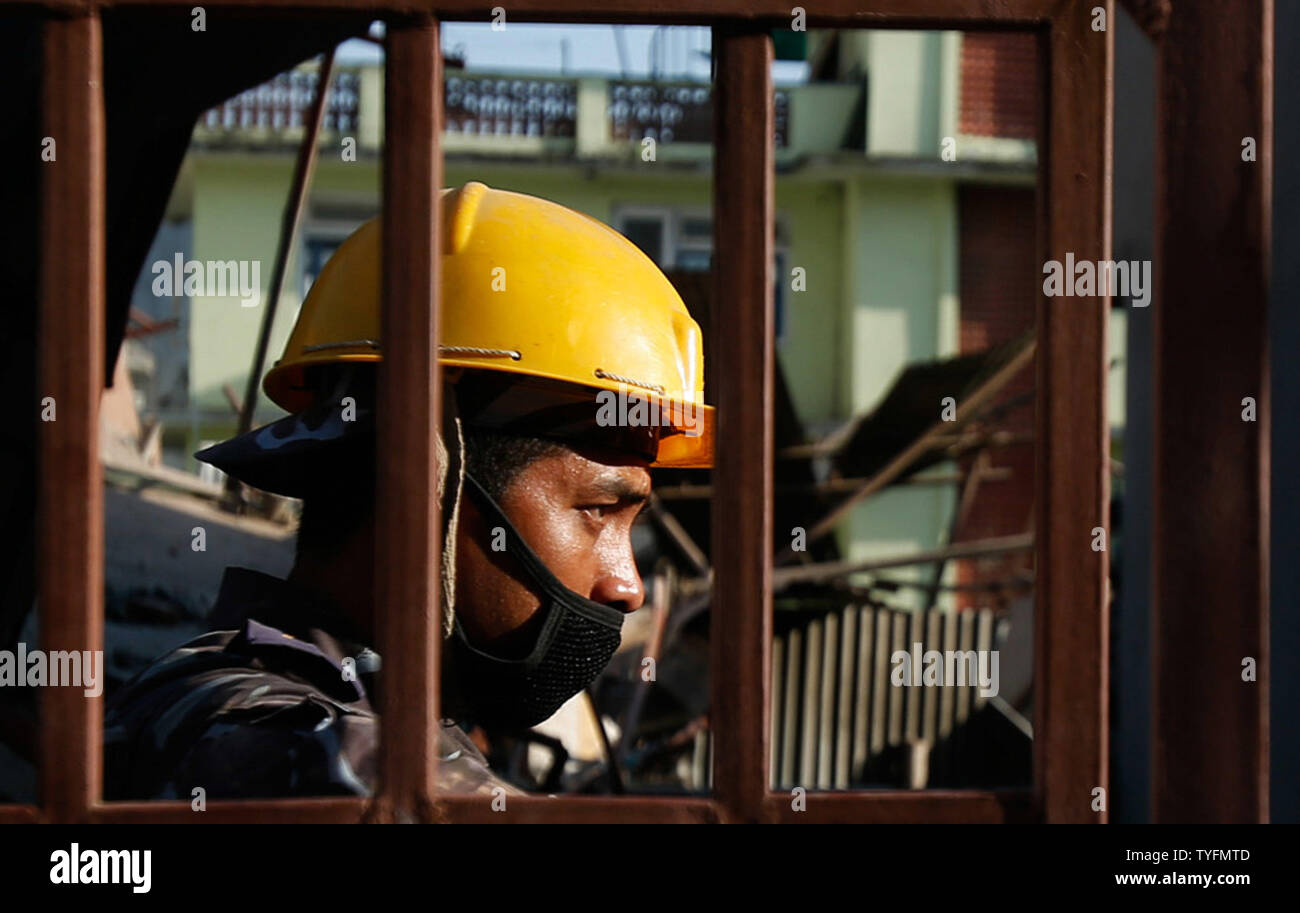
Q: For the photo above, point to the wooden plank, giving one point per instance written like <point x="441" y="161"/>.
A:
<point x="778" y="720"/>
<point x="829" y="570"/>
<point x="983" y="646"/>
<point x="1073" y="484"/>
<point x="948" y="693"/>
<point x="930" y="709"/>
<point x="845" y="705"/>
<point x="290" y="225"/>
<point x="742" y="349"/>
<point x="820" y="13"/>
<point x="903" y="807"/>
<point x="1210" y="549"/>
<point x="577" y="810"/>
<point x="928" y="441"/>
<point x="898" y="624"/>
<point x="912" y="709"/>
<point x="790" y="712"/>
<point x="965" y="644"/>
<point x="71" y="527"/>
<point x="244" y="811"/>
<point x="20" y="814"/>
<point x="863" y="693"/>
<point x="880" y="686"/>
<point x="407" y="580"/>
<point x="826" y="702"/>
<point x="809" y="718"/>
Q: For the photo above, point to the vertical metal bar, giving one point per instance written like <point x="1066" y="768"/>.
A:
<point x="1072" y="649"/>
<point x="1210" y="739"/>
<point x="409" y="408"/>
<point x="742" y="347"/>
<point x="71" y="568"/>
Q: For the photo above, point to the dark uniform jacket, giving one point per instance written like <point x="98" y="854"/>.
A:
<point x="265" y="707"/>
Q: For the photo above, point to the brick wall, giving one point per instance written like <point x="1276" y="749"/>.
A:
<point x="999" y="292"/>
<point x="999" y="83"/>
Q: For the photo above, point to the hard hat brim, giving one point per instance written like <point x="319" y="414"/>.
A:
<point x="295" y="455"/>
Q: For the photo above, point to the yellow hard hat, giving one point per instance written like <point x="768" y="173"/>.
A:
<point x="533" y="289"/>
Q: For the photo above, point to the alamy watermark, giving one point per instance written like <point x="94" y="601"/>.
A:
<point x="935" y="669"/>
<point x="59" y="669"/>
<point x="78" y="866"/>
<point x="631" y="409"/>
<point x="240" y="279"/>
<point x="1085" y="279"/>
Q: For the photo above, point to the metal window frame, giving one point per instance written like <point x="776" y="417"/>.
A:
<point x="1074" y="215"/>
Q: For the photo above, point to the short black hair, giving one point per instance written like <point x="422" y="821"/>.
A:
<point x="331" y="515"/>
<point x="495" y="459"/>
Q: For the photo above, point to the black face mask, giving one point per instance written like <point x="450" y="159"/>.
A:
<point x="578" y="637"/>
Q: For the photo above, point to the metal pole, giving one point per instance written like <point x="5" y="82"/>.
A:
<point x="302" y="172"/>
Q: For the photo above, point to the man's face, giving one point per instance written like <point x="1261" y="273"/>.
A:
<point x="575" y="510"/>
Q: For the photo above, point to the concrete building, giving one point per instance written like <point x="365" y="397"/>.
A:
<point x="906" y="164"/>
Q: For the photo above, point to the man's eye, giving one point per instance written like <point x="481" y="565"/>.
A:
<point x="597" y="511"/>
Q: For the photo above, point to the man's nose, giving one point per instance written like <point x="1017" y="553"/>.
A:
<point x="619" y="586"/>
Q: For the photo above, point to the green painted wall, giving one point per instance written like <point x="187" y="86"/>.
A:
<point x="901" y="306"/>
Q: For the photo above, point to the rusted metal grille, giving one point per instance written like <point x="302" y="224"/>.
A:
<point x="1070" y="751"/>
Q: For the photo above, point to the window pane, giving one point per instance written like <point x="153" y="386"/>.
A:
<point x="647" y="234"/>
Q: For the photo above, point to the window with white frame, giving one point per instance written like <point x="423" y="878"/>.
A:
<point x="321" y="237"/>
<point x="681" y="239"/>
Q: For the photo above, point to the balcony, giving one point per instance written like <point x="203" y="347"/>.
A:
<point x="496" y="115"/>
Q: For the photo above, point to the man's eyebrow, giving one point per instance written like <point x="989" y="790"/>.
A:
<point x="621" y="489"/>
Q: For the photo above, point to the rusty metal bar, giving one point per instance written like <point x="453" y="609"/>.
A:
<point x="1079" y="169"/>
<point x="409" y="408"/>
<point x="923" y="444"/>
<point x="71" y="525"/>
<point x="578" y="810"/>
<point x="1210" y="739"/>
<point x="829" y="570"/>
<point x="820" y="13"/>
<point x="20" y="814"/>
<point x="250" y="811"/>
<point x="904" y="807"/>
<point x="1071" y="628"/>
<point x="686" y="492"/>
<point x="742" y="347"/>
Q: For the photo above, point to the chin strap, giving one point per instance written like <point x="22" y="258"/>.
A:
<point x="451" y="482"/>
